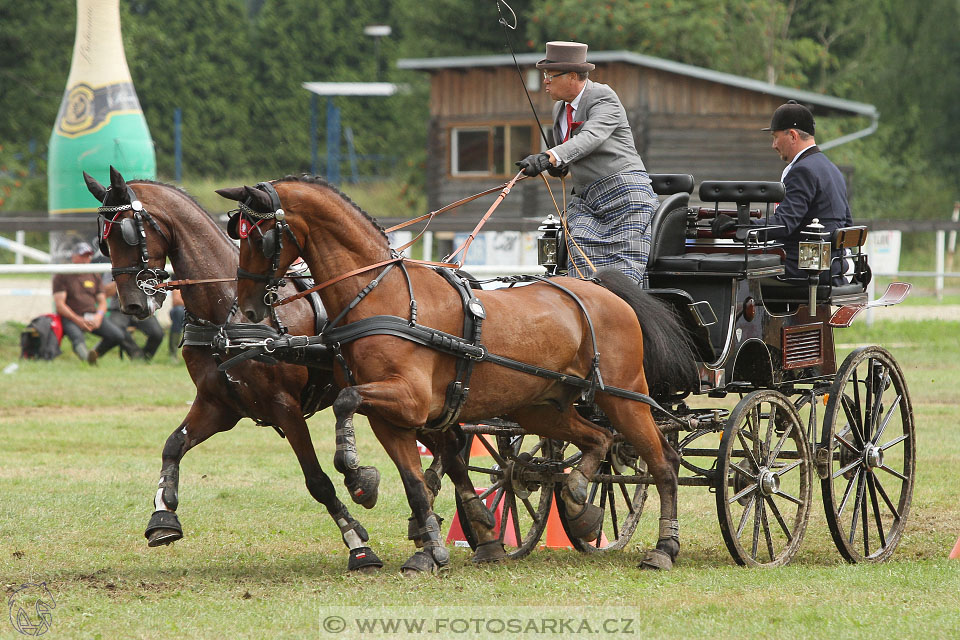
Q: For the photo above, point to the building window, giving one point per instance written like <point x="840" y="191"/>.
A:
<point x="489" y="150"/>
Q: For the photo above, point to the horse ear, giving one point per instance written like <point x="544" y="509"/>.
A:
<point x="96" y="189"/>
<point x="259" y="200"/>
<point x="232" y="193"/>
<point x="116" y="180"/>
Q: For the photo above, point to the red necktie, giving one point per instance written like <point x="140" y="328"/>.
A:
<point x="569" y="121"/>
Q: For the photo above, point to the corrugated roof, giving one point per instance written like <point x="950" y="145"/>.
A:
<point x="529" y="59"/>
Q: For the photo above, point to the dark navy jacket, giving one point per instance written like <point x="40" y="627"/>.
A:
<point x="814" y="189"/>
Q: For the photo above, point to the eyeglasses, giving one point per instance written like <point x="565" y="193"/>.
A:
<point x="551" y="76"/>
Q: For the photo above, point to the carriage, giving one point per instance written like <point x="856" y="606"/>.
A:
<point x="798" y="417"/>
<point x="764" y="341"/>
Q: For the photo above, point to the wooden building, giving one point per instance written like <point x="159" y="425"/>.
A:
<point x="685" y="119"/>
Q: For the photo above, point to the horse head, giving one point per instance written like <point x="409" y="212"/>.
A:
<point x="286" y="219"/>
<point x="138" y="257"/>
<point x="271" y="246"/>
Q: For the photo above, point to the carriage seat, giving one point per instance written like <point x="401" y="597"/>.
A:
<point x="668" y="184"/>
<point x="668" y="248"/>
<point x="798" y="291"/>
<point x="736" y="262"/>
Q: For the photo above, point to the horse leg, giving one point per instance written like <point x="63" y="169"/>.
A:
<point x="362" y="482"/>
<point x="431" y="476"/>
<point x="446" y="446"/>
<point x="635" y="421"/>
<point x="355" y="537"/>
<point x="202" y="421"/>
<point x="401" y="445"/>
<point x="594" y="441"/>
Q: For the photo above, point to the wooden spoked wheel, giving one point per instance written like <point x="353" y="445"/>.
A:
<point x="619" y="498"/>
<point x="764" y="478"/>
<point x="515" y="478"/>
<point x="867" y="455"/>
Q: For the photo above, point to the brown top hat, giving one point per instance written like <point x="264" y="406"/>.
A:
<point x="566" y="56"/>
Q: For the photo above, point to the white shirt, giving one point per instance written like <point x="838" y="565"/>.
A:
<point x="786" y="169"/>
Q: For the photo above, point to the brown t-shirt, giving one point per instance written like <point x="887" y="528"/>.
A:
<point x="81" y="288"/>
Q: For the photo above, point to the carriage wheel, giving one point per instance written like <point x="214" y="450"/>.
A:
<point x="512" y="489"/>
<point x="621" y="502"/>
<point x="764" y="478"/>
<point x="866" y="456"/>
<point x="810" y="406"/>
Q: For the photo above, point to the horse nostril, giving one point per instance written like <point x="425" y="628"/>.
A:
<point x="251" y="315"/>
<point x="131" y="309"/>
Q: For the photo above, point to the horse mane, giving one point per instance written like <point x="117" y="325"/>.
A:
<point x="322" y="182"/>
<point x="184" y="193"/>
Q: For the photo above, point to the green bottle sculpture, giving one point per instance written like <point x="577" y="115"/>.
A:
<point x="100" y="122"/>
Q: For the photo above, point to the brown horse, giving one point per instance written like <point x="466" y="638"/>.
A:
<point x="147" y="222"/>
<point x="401" y="386"/>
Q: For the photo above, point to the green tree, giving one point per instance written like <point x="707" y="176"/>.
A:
<point x="32" y="77"/>
<point x="190" y="56"/>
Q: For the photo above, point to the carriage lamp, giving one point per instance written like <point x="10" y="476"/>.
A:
<point x="548" y="243"/>
<point x="814" y="255"/>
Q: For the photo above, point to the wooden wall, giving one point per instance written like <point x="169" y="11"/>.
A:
<point x="681" y="125"/>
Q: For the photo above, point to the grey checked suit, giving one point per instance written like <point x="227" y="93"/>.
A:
<point x="609" y="215"/>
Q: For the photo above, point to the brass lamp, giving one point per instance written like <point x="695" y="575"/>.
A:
<point x="548" y="243"/>
<point x="814" y="256"/>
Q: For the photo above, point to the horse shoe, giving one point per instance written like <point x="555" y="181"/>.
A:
<point x="657" y="560"/>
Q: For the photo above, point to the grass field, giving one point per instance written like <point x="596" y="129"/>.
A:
<point x="80" y="461"/>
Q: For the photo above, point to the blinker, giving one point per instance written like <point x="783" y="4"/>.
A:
<point x="128" y="232"/>
<point x="269" y="245"/>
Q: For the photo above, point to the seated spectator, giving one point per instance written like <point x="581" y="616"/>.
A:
<point x="82" y="305"/>
<point x="148" y="326"/>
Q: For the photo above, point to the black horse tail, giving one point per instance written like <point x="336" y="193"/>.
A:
<point x="669" y="360"/>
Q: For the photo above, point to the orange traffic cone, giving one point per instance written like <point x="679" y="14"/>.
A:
<point x="556" y="536"/>
<point x="457" y="537"/>
<point x="477" y="448"/>
<point x="955" y="554"/>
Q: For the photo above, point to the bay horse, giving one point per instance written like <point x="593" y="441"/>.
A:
<point x="146" y="222"/>
<point x="569" y="326"/>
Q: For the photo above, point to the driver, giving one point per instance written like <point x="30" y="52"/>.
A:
<point x="814" y="188"/>
<point x="613" y="202"/>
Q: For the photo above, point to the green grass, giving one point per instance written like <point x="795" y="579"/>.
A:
<point x="80" y="461"/>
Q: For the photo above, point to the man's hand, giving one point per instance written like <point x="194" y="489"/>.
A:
<point x="96" y="321"/>
<point x="558" y="172"/>
<point x="535" y="165"/>
<point x="721" y="224"/>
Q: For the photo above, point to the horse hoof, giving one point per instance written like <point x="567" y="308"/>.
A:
<point x="366" y="489"/>
<point x="164" y="528"/>
<point x="490" y="551"/>
<point x="586" y="524"/>
<point x="657" y="560"/>
<point x="419" y="563"/>
<point x="364" y="560"/>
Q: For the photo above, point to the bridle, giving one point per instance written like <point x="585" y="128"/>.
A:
<point x="244" y="220"/>
<point x="133" y="233"/>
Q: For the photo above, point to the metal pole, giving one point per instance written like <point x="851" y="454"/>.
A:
<point x="314" y="150"/>
<point x="941" y="237"/>
<point x="351" y="155"/>
<point x="177" y="144"/>
<point x="428" y="245"/>
<point x="333" y="142"/>
<point x="21" y="237"/>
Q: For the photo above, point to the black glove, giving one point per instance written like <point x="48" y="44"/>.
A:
<point x="535" y="165"/>
<point x="558" y="172"/>
<point x="721" y="224"/>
